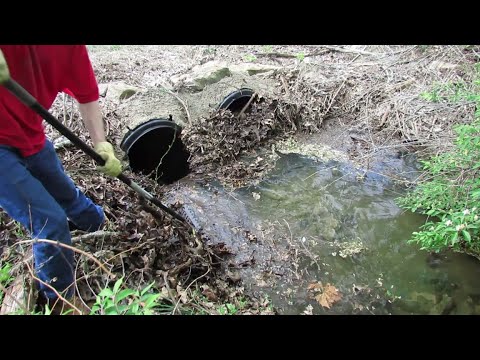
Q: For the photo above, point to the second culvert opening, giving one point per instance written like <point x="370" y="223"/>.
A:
<point x="155" y="148"/>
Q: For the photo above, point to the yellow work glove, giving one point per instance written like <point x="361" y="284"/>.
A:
<point x="112" y="166"/>
<point x="4" y="73"/>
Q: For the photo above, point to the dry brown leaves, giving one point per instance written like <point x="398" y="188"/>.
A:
<point x="326" y="295"/>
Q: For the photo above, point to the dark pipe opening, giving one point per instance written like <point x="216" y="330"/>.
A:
<point x="155" y="148"/>
<point x="236" y="100"/>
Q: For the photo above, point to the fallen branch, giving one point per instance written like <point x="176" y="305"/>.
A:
<point x="284" y="55"/>
<point x="95" y="235"/>
<point x="350" y="51"/>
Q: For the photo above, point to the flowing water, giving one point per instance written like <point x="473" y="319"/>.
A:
<point x="341" y="227"/>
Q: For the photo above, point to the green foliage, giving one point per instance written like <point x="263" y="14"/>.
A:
<point x="451" y="195"/>
<point x="209" y="51"/>
<point x="119" y="301"/>
<point x="423" y="48"/>
<point x="267" y="49"/>
<point x="227" y="309"/>
<point x="5" y="277"/>
<point x="453" y="92"/>
<point x="241" y="303"/>
<point x="250" y="58"/>
<point x="391" y="295"/>
<point x="300" y="56"/>
<point x="18" y="231"/>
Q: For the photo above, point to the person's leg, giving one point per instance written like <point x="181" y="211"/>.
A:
<point x="27" y="201"/>
<point x="47" y="168"/>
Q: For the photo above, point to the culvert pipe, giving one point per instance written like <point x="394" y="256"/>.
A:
<point x="154" y="148"/>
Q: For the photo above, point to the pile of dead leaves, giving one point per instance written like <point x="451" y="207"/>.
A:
<point x="225" y="145"/>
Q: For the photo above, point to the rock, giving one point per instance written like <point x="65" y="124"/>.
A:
<point x="61" y="142"/>
<point x="417" y="303"/>
<point x="252" y="69"/>
<point x="202" y="75"/>
<point x="440" y="65"/>
<point x="465" y="308"/>
<point x="444" y="307"/>
<point x="117" y="91"/>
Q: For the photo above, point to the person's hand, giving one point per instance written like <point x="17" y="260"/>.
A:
<point x="112" y="166"/>
<point x="4" y="73"/>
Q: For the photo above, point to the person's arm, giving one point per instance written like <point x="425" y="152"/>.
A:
<point x="80" y="82"/>
<point x="92" y="117"/>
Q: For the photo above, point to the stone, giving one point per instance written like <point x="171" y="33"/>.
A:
<point x="202" y="75"/>
<point x="252" y="69"/>
<point x="117" y="91"/>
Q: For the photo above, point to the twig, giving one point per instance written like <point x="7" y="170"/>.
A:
<point x="284" y="55"/>
<point x="95" y="235"/>
<point x="60" y="297"/>
<point x="64" y="109"/>
<point x="246" y="105"/>
<point x="285" y="85"/>
<point x="303" y="245"/>
<point x="169" y="291"/>
<point x="351" y="51"/>
<point x="180" y="100"/>
<point x="181" y="267"/>
<point x="174" y="139"/>
<point x="77" y="288"/>
<point x="198" y="278"/>
<point x="128" y="250"/>
<point x="52" y="242"/>
<point x="334" y="96"/>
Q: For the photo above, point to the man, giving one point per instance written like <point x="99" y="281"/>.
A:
<point x="34" y="189"/>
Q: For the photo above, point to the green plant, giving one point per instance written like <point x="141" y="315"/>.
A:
<point x="423" y="48"/>
<point x="18" y="231"/>
<point x="227" y="309"/>
<point x="209" y="50"/>
<point x="127" y="301"/>
<point x="300" y="56"/>
<point x="250" y="58"/>
<point x="391" y="296"/>
<point x="5" y="277"/>
<point x="451" y="196"/>
<point x="453" y="92"/>
<point x="267" y="48"/>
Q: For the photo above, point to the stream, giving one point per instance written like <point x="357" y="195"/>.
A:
<point x="311" y="222"/>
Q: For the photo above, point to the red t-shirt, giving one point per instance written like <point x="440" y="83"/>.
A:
<point x="44" y="71"/>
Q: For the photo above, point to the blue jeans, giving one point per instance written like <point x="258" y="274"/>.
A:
<point x="36" y="192"/>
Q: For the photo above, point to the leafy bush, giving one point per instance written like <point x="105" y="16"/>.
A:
<point x="451" y="194"/>
<point x="127" y="301"/>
